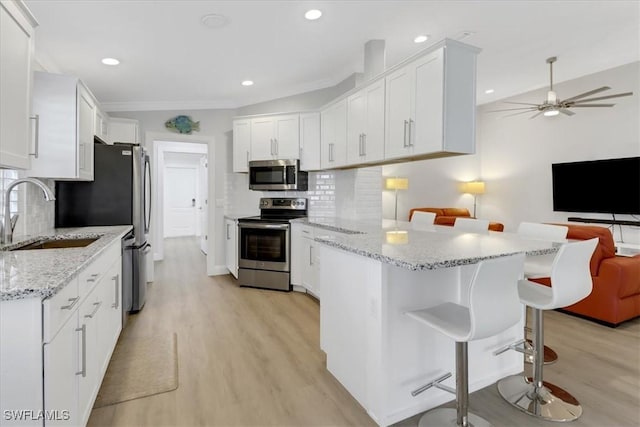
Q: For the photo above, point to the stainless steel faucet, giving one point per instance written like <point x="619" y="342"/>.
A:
<point x="6" y="229"/>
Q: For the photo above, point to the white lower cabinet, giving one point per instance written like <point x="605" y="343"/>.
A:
<point x="61" y="367"/>
<point x="304" y="258"/>
<point x="231" y="235"/>
<point x="78" y="329"/>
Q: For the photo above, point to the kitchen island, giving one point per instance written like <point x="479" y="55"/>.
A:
<point x="371" y="278"/>
<point x="60" y="319"/>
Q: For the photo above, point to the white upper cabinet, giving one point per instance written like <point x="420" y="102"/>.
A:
<point x="101" y="123"/>
<point x="275" y="137"/>
<point x="66" y="113"/>
<point x="430" y="105"/>
<point x="365" y="124"/>
<point x="310" y="141"/>
<point x="241" y="145"/>
<point x="123" y="130"/>
<point x="16" y="49"/>
<point x="333" y="135"/>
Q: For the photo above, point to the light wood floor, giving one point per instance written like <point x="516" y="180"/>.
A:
<point x="250" y="357"/>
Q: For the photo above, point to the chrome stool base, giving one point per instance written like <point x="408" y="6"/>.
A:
<point x="549" y="402"/>
<point x="550" y="356"/>
<point x="447" y="417"/>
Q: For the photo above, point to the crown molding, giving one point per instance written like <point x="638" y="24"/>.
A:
<point x="167" y="105"/>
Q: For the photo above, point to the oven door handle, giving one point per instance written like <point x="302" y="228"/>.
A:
<point x="268" y="226"/>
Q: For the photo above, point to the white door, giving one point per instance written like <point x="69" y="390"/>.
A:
<point x="179" y="201"/>
<point x="203" y="203"/>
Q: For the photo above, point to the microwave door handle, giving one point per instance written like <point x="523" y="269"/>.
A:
<point x="147" y="182"/>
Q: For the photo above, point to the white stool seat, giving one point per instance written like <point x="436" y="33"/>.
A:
<point x="422" y="220"/>
<point x="540" y="266"/>
<point x="535" y="295"/>
<point x="472" y="225"/>
<point x="449" y="318"/>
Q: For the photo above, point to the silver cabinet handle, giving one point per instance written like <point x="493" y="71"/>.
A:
<point x="331" y="152"/>
<point x="277" y="146"/>
<point x="404" y="138"/>
<point x="247" y="158"/>
<point x="93" y="278"/>
<point x="310" y="255"/>
<point x="73" y="302"/>
<point x="360" y="145"/>
<point x="97" y="304"/>
<point x="228" y="235"/>
<point x="37" y="136"/>
<point x="83" y="330"/>
<point x="116" y="280"/>
<point x="410" y="125"/>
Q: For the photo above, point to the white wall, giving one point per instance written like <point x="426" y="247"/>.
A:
<point x="514" y="155"/>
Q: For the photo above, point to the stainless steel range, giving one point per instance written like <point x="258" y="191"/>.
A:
<point x="265" y="244"/>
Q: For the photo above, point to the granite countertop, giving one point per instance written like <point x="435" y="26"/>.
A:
<point x="236" y="215"/>
<point x="41" y="273"/>
<point x="396" y="243"/>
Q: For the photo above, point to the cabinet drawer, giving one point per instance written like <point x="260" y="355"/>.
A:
<point x="58" y="308"/>
<point x="92" y="274"/>
<point x="307" y="231"/>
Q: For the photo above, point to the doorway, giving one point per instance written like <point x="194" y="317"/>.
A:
<point x="181" y="191"/>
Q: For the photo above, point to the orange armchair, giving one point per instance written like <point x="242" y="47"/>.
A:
<point x="447" y="216"/>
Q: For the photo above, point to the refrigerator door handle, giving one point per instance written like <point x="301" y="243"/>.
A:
<point x="146" y="249"/>
<point x="147" y="182"/>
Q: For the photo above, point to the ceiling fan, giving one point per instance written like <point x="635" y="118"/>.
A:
<point x="552" y="106"/>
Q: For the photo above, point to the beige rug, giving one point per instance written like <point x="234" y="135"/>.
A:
<point x="140" y="367"/>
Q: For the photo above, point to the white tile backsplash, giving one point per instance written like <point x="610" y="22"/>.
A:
<point x="36" y="215"/>
<point x="350" y="194"/>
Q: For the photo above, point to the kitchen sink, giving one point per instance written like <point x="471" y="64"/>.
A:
<point x="57" y="244"/>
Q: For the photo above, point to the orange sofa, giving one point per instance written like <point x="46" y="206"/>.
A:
<point x="447" y="216"/>
<point x="615" y="297"/>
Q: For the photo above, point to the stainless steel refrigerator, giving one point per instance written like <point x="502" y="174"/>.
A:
<point x="120" y="194"/>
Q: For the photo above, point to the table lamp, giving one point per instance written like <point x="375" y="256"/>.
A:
<point x="396" y="184"/>
<point x="475" y="188"/>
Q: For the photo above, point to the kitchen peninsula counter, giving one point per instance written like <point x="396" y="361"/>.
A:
<point x="370" y="279"/>
<point x="42" y="273"/>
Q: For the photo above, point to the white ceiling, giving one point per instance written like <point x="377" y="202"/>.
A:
<point x="170" y="60"/>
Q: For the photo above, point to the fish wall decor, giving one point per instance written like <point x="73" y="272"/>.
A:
<point x="182" y="124"/>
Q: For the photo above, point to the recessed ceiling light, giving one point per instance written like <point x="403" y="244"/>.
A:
<point x="313" y="14"/>
<point x="421" y="39"/>
<point x="110" y="61"/>
<point x="488" y="91"/>
<point x="214" y="20"/>
<point x="247" y="83"/>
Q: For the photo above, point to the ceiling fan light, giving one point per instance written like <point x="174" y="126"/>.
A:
<point x="551" y="113"/>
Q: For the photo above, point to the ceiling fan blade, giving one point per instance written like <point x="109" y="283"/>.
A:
<point x="515" y="114"/>
<point x="567" y="112"/>
<point x="592" y="105"/>
<point x="602" y="97"/>
<point x="536" y="115"/>
<point x="521" y="103"/>
<point x="512" y="109"/>
<point x="591" y="92"/>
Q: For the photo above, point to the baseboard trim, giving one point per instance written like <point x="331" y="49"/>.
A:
<point x="219" y="270"/>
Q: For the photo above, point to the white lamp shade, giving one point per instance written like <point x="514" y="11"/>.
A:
<point x="473" y="187"/>
<point x="396" y="183"/>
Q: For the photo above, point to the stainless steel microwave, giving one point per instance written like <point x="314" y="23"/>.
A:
<point x="277" y="175"/>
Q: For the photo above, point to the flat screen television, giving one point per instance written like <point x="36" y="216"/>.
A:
<point x="598" y="186"/>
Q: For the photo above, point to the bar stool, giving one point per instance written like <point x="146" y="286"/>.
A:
<point x="422" y="220"/>
<point x="540" y="266"/>
<point x="471" y="225"/>
<point x="570" y="282"/>
<point x="493" y="307"/>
